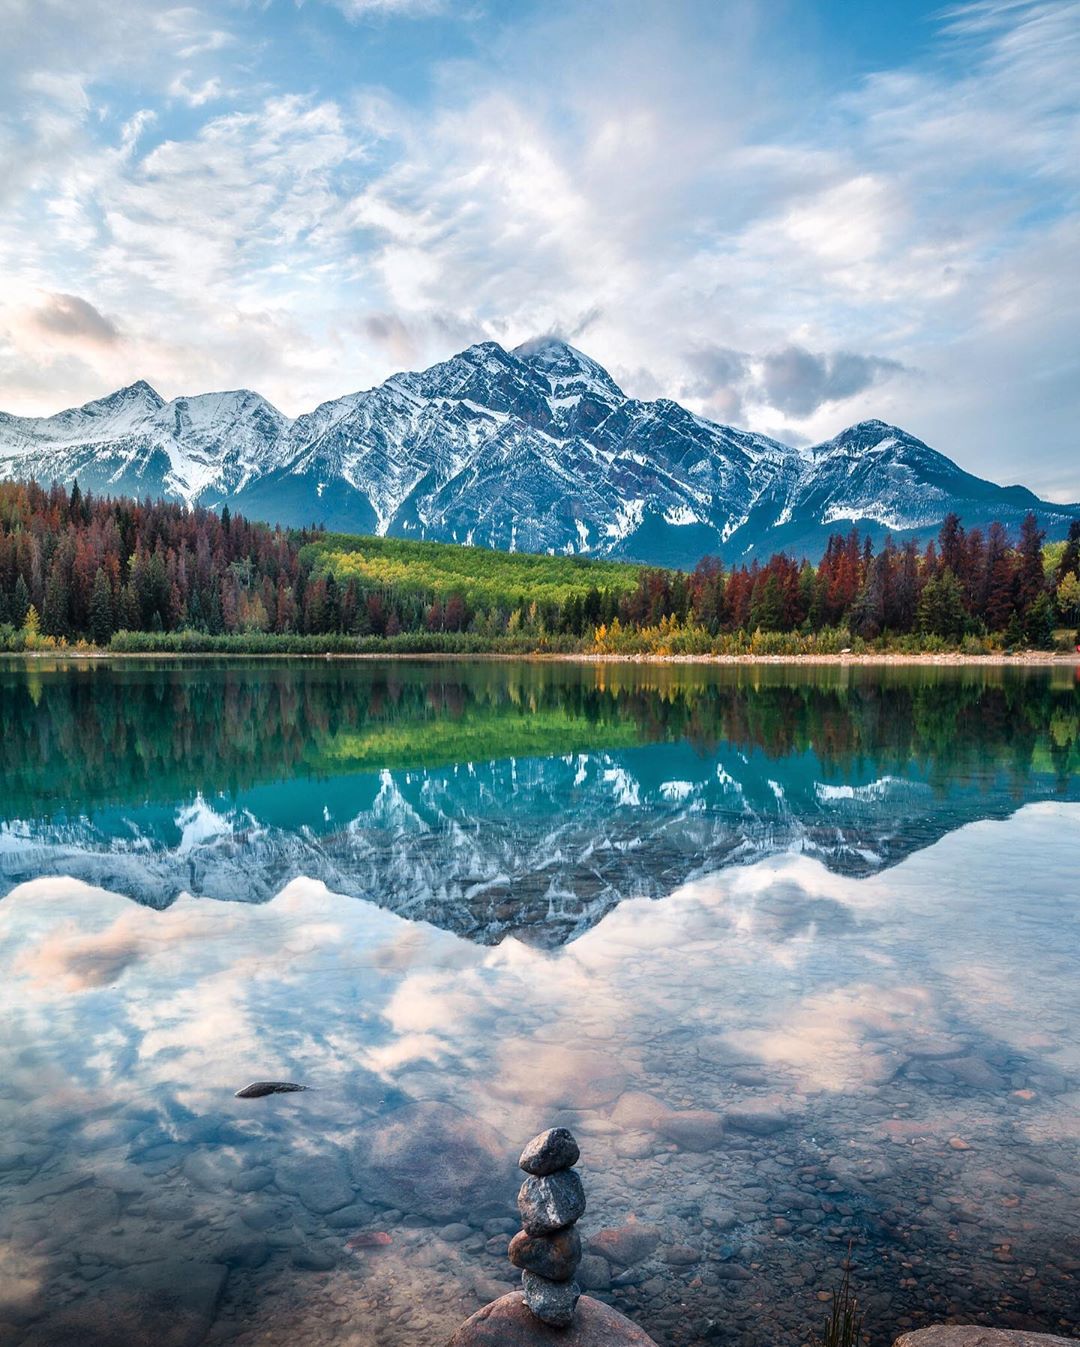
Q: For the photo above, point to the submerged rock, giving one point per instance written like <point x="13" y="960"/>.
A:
<point x="170" y="1303"/>
<point x="431" y="1159"/>
<point x="626" y="1244"/>
<point x="508" y="1322"/>
<point x="549" y="1203"/>
<point x="321" y="1182"/>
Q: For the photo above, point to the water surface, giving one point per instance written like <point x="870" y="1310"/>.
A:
<point x="793" y="951"/>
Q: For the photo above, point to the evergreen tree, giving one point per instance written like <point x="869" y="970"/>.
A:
<point x="941" y="607"/>
<point x="55" y="620"/>
<point x="102" y="624"/>
<point x="20" y="603"/>
<point x="1039" y="627"/>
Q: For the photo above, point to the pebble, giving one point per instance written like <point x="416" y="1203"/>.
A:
<point x="548" y="1204"/>
<point x="553" y="1256"/>
<point x="550" y="1152"/>
<point x="551" y="1302"/>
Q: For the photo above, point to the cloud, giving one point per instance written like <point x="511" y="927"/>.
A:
<point x="68" y="316"/>
<point x="363" y="9"/>
<point x="798" y="382"/>
<point x="791" y="380"/>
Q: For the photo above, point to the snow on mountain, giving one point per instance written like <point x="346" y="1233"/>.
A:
<point x="535" y="449"/>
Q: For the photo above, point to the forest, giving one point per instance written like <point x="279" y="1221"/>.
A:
<point x="78" y="570"/>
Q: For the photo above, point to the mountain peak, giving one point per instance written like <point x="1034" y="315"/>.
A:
<point x="563" y="365"/>
<point x="139" y="391"/>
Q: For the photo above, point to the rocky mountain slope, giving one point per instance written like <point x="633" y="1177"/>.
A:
<point x="535" y="449"/>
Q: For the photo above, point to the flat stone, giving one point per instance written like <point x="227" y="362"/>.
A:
<point x="637" y="1111"/>
<point x="693" y="1129"/>
<point x="549" y="1203"/>
<point x="508" y="1323"/>
<point x="973" y="1335"/>
<point x="555" y="1257"/>
<point x="549" y="1152"/>
<point x="551" y="1302"/>
<point x="760" y="1119"/>
<point x="170" y="1303"/>
<point x="431" y="1159"/>
<point x="681" y="1255"/>
<point x="594" y="1273"/>
<point x="313" y="1260"/>
<point x="455" y="1232"/>
<point x="626" y="1244"/>
<point x="975" y="1072"/>
<point x="354" y="1217"/>
<point x="321" y="1182"/>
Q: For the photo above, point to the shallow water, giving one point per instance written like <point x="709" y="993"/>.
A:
<point x="793" y="951"/>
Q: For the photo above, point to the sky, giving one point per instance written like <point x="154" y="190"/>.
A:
<point x="789" y="215"/>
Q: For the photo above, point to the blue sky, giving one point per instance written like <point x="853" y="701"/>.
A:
<point x="789" y="215"/>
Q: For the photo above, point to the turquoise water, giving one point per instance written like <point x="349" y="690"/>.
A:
<point x="793" y="951"/>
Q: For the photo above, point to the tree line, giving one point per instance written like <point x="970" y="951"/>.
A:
<point x="79" y="567"/>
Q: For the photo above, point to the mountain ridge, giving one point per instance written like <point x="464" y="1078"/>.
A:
<point x="532" y="449"/>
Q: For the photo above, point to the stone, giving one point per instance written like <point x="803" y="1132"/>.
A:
<point x="508" y="1323"/>
<point x="431" y="1159"/>
<point x="253" y="1180"/>
<point x="553" y="1256"/>
<point x="973" y="1335"/>
<point x="455" y="1232"/>
<point x="637" y="1111"/>
<point x="244" y="1252"/>
<point x="354" y="1217"/>
<point x="594" y="1273"/>
<point x="549" y="1152"/>
<point x="549" y="1203"/>
<point x="313" y="1260"/>
<point x="681" y="1255"/>
<point x="693" y="1129"/>
<point x="321" y="1182"/>
<point x="759" y="1118"/>
<point x="551" y="1302"/>
<point x="626" y="1244"/>
<point x="170" y="1303"/>
<point x="259" y="1089"/>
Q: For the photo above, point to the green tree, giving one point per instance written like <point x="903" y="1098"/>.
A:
<point x="1068" y="598"/>
<point x="102" y="620"/>
<point x="1040" y="622"/>
<point x="55" y="619"/>
<point x="941" y="607"/>
<point x="21" y="602"/>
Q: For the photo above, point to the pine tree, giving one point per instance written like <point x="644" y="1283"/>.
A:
<point x="1040" y="622"/>
<point x="102" y="623"/>
<point x="20" y="603"/>
<point x="55" y="619"/>
<point x="941" y="607"/>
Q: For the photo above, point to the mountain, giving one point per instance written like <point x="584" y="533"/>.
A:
<point x="535" y="449"/>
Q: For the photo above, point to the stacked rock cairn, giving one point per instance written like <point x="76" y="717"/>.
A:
<point x="548" y="1248"/>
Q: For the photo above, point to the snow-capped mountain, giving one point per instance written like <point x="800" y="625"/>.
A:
<point x="535" y="449"/>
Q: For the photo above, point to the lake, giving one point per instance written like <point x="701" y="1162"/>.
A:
<point x="793" y="951"/>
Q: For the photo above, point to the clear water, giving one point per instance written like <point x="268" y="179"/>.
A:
<point x="793" y="951"/>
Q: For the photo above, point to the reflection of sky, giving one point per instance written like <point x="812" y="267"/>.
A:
<point x="120" y="1017"/>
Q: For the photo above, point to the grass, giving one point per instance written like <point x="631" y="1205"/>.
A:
<point x="844" y="1325"/>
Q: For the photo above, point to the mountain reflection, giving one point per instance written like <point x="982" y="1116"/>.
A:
<point x="496" y="798"/>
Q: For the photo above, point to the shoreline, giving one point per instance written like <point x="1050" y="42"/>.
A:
<point x="1029" y="658"/>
